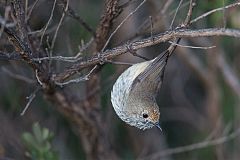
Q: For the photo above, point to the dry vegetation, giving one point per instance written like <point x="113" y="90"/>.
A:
<point x="65" y="55"/>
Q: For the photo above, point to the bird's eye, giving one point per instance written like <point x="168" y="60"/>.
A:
<point x="145" y="115"/>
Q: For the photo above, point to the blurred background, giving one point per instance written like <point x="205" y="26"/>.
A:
<point x="199" y="99"/>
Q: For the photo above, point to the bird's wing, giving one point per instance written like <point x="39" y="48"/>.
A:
<point x="153" y="74"/>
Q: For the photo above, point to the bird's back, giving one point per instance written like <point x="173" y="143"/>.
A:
<point x="122" y="87"/>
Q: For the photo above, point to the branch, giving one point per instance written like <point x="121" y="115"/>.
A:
<point x="111" y="11"/>
<point x="48" y="22"/>
<point x="17" y="76"/>
<point x="125" y="19"/>
<point x="58" y="27"/>
<point x="10" y="56"/>
<point x="213" y="11"/>
<point x="195" y="146"/>
<point x="229" y="76"/>
<point x="19" y="12"/>
<point x="30" y="99"/>
<point x="80" y="79"/>
<point x="100" y="58"/>
<point x="21" y="43"/>
<point x="22" y="48"/>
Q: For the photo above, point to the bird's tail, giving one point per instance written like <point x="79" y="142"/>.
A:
<point x="157" y="66"/>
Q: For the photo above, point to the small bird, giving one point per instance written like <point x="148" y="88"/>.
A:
<point x="133" y="95"/>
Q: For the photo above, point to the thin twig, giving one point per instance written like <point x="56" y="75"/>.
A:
<point x="179" y="5"/>
<point x="150" y="17"/>
<point x="26" y="8"/>
<point x="10" y="56"/>
<point x="194" y="146"/>
<point x="58" y="26"/>
<point x="23" y="48"/>
<point x="84" y="47"/>
<point x="124" y="20"/>
<point x="224" y="16"/>
<point x="3" y="23"/>
<point x="193" y="47"/>
<point x="30" y="99"/>
<point x="38" y="79"/>
<point x="17" y="76"/>
<point x="8" y="25"/>
<point x="39" y="32"/>
<point x="166" y="6"/>
<point x="119" y="63"/>
<point x="31" y="10"/>
<point x="77" y="80"/>
<point x="163" y="37"/>
<point x="182" y="7"/>
<point x="56" y="33"/>
<point x="134" y="53"/>
<point x="48" y="22"/>
<point x="230" y="78"/>
<point x="213" y="11"/>
<point x="59" y="58"/>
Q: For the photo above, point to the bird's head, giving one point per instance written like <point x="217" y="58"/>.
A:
<point x="142" y="118"/>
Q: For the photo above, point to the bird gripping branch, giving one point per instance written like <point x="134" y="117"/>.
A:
<point x="134" y="93"/>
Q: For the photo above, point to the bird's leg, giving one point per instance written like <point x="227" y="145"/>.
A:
<point x="134" y="53"/>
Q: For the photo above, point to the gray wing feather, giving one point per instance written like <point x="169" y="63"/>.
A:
<point x="153" y="75"/>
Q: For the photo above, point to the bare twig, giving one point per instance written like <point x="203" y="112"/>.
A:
<point x="213" y="11"/>
<point x="10" y="56"/>
<point x="48" y="22"/>
<point x="3" y="22"/>
<point x="59" y="58"/>
<point x="56" y="33"/>
<point x="30" y="99"/>
<point x="193" y="47"/>
<point x="145" y="25"/>
<point x="229" y="76"/>
<point x="19" y="11"/>
<point x="58" y="26"/>
<point x="39" y="32"/>
<point x="134" y="53"/>
<point x="163" y="37"/>
<point x="37" y="77"/>
<point x="124" y="20"/>
<point x="224" y="15"/>
<point x="194" y="146"/>
<point x="22" y="47"/>
<point x="119" y="63"/>
<point x="77" y="80"/>
<point x="17" y="76"/>
<point x="179" y="5"/>
<point x="26" y="8"/>
<point x="31" y="10"/>
<point x="166" y="6"/>
<point x="84" y="47"/>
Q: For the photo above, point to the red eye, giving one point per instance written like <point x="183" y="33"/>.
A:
<point x="145" y="115"/>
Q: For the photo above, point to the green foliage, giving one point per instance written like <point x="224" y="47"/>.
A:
<point x="38" y="143"/>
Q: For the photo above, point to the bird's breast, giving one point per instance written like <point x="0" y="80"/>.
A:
<point x="122" y="87"/>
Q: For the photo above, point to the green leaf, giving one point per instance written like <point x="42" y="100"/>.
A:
<point x="37" y="132"/>
<point x="45" y="133"/>
<point x="38" y="143"/>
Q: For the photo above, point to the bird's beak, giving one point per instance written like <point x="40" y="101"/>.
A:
<point x="158" y="126"/>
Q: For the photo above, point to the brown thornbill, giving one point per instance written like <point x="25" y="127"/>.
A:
<point x="134" y="93"/>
